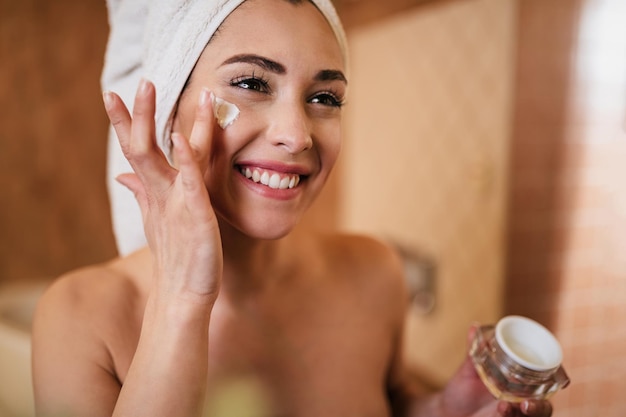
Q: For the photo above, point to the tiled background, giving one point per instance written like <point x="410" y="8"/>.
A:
<point x="566" y="242"/>
<point x="468" y="153"/>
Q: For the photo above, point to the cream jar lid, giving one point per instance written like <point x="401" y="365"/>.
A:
<point x="528" y="343"/>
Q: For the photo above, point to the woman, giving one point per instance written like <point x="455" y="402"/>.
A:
<point x="228" y="288"/>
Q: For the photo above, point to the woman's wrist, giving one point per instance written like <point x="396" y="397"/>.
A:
<point x="179" y="308"/>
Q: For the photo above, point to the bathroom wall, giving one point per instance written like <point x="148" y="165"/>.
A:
<point x="566" y="243"/>
<point x="425" y="160"/>
<point x="53" y="210"/>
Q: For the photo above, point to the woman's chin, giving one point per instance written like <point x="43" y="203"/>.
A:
<point x="263" y="227"/>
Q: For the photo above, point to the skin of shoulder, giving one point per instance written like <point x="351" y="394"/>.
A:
<point x="375" y="274"/>
<point x="366" y="260"/>
<point x="380" y="264"/>
<point x="380" y="267"/>
<point x="356" y="290"/>
<point x="81" y="320"/>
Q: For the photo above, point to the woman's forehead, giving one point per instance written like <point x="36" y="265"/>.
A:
<point x="278" y="26"/>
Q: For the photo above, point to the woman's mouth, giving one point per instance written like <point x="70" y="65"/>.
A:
<point x="271" y="179"/>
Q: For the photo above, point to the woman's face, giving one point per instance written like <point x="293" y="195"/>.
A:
<point x="282" y="66"/>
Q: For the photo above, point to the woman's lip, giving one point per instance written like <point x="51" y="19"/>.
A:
<point x="273" y="166"/>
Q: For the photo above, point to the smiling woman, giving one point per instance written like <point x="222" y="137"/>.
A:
<point x="227" y="289"/>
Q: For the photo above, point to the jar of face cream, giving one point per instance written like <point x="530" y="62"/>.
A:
<point x="518" y="359"/>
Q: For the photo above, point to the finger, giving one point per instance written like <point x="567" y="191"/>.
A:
<point x="467" y="369"/>
<point x="194" y="189"/>
<point x="471" y="333"/>
<point x="537" y="408"/>
<point x="143" y="118"/>
<point x="143" y="153"/>
<point x="506" y="409"/>
<point x="492" y="409"/>
<point x="119" y="117"/>
<point x="202" y="131"/>
<point x="133" y="183"/>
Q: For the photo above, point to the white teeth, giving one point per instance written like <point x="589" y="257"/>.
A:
<point x="284" y="183"/>
<point x="274" y="180"/>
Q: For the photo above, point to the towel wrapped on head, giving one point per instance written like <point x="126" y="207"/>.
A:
<point x="160" y="40"/>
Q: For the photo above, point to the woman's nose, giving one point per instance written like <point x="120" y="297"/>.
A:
<point x="290" y="128"/>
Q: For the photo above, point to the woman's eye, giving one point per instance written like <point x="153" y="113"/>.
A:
<point x="251" y="83"/>
<point x="327" y="99"/>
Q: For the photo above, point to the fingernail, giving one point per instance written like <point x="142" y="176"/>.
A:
<point x="528" y="407"/>
<point x="204" y="97"/>
<point x="107" y="97"/>
<point x="143" y="86"/>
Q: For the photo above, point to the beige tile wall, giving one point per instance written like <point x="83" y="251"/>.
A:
<point x="426" y="156"/>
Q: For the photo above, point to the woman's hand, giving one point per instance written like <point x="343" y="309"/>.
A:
<point x="179" y="221"/>
<point x="466" y="396"/>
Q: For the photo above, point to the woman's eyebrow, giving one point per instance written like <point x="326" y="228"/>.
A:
<point x="331" y="75"/>
<point x="275" y="67"/>
<point x="266" y="64"/>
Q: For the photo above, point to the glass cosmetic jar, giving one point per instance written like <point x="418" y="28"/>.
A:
<point x="518" y="359"/>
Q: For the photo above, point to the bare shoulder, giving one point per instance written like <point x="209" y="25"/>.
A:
<point x="94" y="307"/>
<point x="85" y="328"/>
<point x="88" y="296"/>
<point x="368" y="264"/>
<point x="363" y="253"/>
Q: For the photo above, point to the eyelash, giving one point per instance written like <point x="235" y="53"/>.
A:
<point x="336" y="100"/>
<point x="261" y="85"/>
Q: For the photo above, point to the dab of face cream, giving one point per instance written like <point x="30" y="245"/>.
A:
<point x="225" y="113"/>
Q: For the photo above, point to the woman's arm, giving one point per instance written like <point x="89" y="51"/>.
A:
<point x="168" y="374"/>
<point x="72" y="368"/>
<point x="169" y="371"/>
<point x="82" y="319"/>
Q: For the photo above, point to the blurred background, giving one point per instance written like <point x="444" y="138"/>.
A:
<point x="487" y="138"/>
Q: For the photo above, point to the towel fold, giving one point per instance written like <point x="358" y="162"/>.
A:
<point x="160" y="40"/>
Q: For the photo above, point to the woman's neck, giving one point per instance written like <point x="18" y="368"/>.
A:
<point x="251" y="265"/>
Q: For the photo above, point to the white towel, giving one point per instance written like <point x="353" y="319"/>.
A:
<point x="160" y="40"/>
